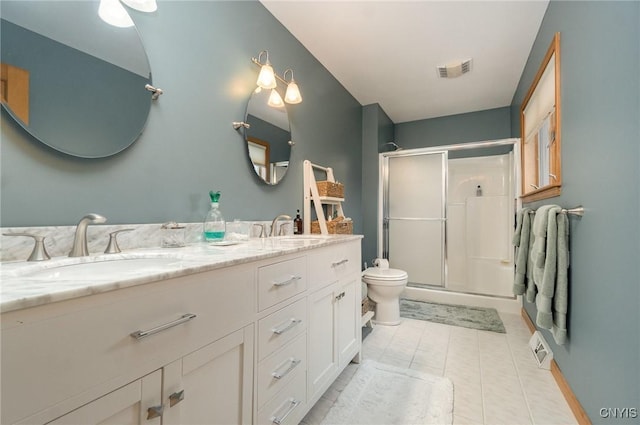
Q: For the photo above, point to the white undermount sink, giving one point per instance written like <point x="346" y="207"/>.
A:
<point x="299" y="240"/>
<point x="101" y="268"/>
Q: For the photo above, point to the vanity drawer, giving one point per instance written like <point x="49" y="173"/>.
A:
<point x="82" y="348"/>
<point x="288" y="406"/>
<point x="280" y="327"/>
<point x="331" y="263"/>
<point x="280" y="281"/>
<point x="277" y="370"/>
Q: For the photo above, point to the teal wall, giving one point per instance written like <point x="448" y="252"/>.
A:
<point x="377" y="129"/>
<point x="478" y="126"/>
<point x="200" y="54"/>
<point x="600" y="80"/>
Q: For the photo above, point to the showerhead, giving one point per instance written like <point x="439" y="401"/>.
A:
<point x="394" y="145"/>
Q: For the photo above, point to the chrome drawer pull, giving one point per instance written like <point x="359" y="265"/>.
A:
<point x="155" y="411"/>
<point x="292" y="365"/>
<point x="293" y="404"/>
<point x="183" y="319"/>
<point x="340" y="296"/>
<point x="292" y="322"/>
<point x="339" y="263"/>
<point x="287" y="282"/>
<point x="176" y="398"/>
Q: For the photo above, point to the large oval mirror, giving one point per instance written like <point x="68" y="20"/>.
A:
<point x="268" y="138"/>
<point x="72" y="81"/>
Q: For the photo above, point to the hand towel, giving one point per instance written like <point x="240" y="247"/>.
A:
<point x="551" y="279"/>
<point x="539" y="249"/>
<point x="561" y="296"/>
<point x="521" y="241"/>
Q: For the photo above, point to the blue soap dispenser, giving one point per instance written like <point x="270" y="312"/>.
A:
<point x="214" y="226"/>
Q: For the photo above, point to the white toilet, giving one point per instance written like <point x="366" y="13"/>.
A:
<point x="385" y="286"/>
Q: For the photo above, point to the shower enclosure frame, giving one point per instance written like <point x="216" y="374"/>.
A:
<point x="383" y="192"/>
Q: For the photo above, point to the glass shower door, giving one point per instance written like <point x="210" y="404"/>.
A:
<point x="414" y="215"/>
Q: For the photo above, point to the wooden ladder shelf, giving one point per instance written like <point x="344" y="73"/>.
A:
<point x="311" y="194"/>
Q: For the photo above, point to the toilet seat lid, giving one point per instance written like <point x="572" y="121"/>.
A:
<point x="384" y="274"/>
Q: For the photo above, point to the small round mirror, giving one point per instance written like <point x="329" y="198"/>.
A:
<point x="72" y="81"/>
<point x="268" y="137"/>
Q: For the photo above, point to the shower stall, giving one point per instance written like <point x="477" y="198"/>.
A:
<point x="447" y="218"/>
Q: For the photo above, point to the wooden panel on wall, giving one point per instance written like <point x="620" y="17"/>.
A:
<point x="15" y="90"/>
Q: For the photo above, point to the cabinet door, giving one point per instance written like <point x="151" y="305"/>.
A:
<point x="348" y="323"/>
<point x="132" y="404"/>
<point x="322" y="353"/>
<point x="212" y="385"/>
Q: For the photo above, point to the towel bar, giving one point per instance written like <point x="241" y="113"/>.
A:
<point x="579" y="211"/>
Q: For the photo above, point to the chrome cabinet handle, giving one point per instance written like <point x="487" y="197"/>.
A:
<point x="534" y="186"/>
<point x="155" y="411"/>
<point x="287" y="282"/>
<point x="292" y="322"/>
<point x="340" y="296"/>
<point x="176" y="398"/>
<point x="143" y="334"/>
<point x="339" y="263"/>
<point x="293" y="404"/>
<point x="292" y="365"/>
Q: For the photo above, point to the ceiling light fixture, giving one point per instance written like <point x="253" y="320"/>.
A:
<point x="267" y="79"/>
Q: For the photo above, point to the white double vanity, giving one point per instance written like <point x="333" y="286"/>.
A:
<point x="247" y="333"/>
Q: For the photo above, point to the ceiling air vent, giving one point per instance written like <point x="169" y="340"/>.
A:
<point x="454" y="70"/>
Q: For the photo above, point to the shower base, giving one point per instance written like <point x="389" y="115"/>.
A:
<point x="429" y="293"/>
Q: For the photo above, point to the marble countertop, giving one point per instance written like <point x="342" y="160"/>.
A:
<point x="29" y="284"/>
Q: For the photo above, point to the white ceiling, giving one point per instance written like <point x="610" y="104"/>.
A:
<point x="386" y="52"/>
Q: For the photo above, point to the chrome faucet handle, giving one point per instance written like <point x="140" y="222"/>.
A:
<point x="275" y="221"/>
<point x="112" y="247"/>
<point x="282" y="231"/>
<point x="39" y="252"/>
<point x="263" y="230"/>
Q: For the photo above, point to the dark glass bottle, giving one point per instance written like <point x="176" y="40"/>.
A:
<point x="297" y="224"/>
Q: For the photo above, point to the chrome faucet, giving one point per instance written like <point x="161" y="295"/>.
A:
<point x="80" y="248"/>
<point x="275" y="220"/>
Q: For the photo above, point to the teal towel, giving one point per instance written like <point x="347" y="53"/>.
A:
<point x="539" y="249"/>
<point x="521" y="241"/>
<point x="550" y="256"/>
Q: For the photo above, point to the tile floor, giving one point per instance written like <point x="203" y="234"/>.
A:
<point x="496" y="381"/>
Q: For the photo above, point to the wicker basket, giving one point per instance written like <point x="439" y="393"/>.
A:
<point x="330" y="189"/>
<point x="368" y="305"/>
<point x="334" y="227"/>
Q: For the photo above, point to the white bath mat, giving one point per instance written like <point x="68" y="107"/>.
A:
<point x="380" y="394"/>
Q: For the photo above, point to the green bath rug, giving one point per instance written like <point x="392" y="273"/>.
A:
<point x="484" y="319"/>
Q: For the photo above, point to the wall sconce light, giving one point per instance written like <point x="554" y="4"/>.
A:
<point x="268" y="79"/>
<point x="293" y="92"/>
<point x="113" y="13"/>
<point x="142" y="5"/>
<point x="275" y="100"/>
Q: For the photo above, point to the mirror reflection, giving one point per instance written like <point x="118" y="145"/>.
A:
<point x="540" y="130"/>
<point x="72" y="81"/>
<point x="268" y="138"/>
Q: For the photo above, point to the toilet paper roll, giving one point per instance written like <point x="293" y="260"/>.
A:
<point x="381" y="263"/>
